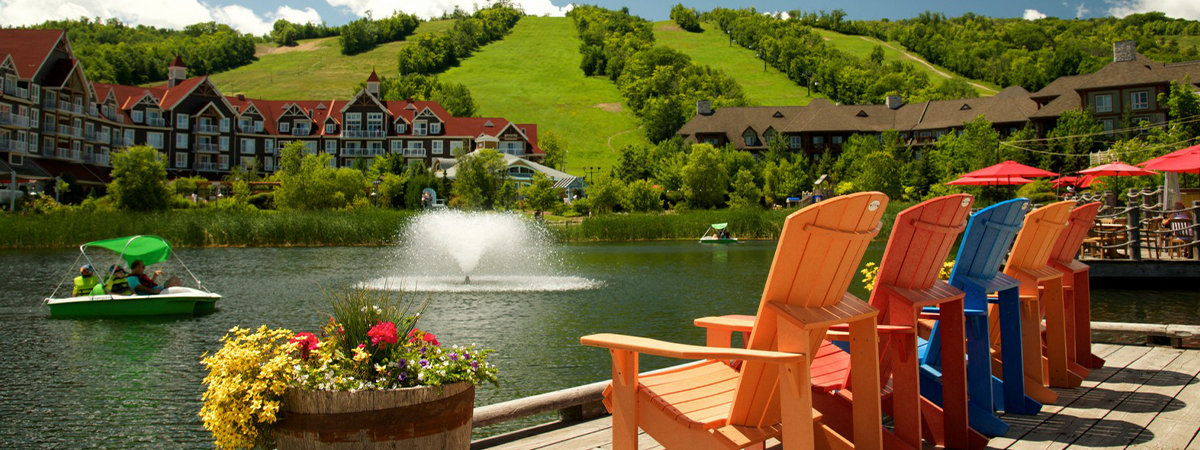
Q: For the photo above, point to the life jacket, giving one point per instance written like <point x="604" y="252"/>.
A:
<point x="118" y="285"/>
<point x="84" y="285"/>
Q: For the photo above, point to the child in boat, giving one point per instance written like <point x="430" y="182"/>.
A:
<point x="86" y="280"/>
<point x="116" y="283"/>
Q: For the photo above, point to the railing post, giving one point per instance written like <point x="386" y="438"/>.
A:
<point x="1134" y="230"/>
<point x="1196" y="229"/>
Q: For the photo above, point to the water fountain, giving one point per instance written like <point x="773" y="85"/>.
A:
<point x="458" y="251"/>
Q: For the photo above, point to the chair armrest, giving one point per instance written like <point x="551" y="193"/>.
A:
<point x="730" y="323"/>
<point x="881" y="329"/>
<point x="684" y="351"/>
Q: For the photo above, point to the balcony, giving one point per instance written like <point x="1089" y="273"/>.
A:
<point x="363" y="133"/>
<point x="49" y="104"/>
<point x="67" y="130"/>
<point x="156" y="122"/>
<point x="414" y="152"/>
<point x="12" y="90"/>
<point x="115" y="117"/>
<point x="205" y="166"/>
<point x="94" y="136"/>
<point x="207" y="128"/>
<point x="206" y="147"/>
<point x="354" y="151"/>
<point x="14" y="146"/>
<point x="14" y="120"/>
<point x="48" y="149"/>
<point x="66" y="153"/>
<point x="297" y="131"/>
<point x="118" y="141"/>
<point x="96" y="158"/>
<point x="93" y="111"/>
<point x="70" y="107"/>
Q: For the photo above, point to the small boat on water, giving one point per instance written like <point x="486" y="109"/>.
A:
<point x="717" y="234"/>
<point x="99" y="302"/>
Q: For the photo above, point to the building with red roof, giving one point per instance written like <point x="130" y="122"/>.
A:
<point x="55" y="122"/>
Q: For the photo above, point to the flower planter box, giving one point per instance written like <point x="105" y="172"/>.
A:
<point x="410" y="418"/>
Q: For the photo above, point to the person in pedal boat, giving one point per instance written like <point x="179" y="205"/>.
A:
<point x="143" y="284"/>
<point x="116" y="283"/>
<point x="86" y="280"/>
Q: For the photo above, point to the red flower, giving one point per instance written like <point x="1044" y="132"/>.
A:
<point x="307" y="343"/>
<point x="430" y="338"/>
<point x="383" y="333"/>
<point x="362" y="345"/>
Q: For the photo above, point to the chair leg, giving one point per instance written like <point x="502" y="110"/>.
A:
<point x="954" y="374"/>
<point x="864" y="353"/>
<point x="1057" y="342"/>
<point x="624" y="400"/>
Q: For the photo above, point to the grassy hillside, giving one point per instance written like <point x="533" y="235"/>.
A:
<point x="861" y="46"/>
<point x="313" y="70"/>
<point x="768" y="87"/>
<point x="533" y="76"/>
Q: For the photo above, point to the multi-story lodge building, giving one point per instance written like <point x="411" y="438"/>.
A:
<point x="53" y="121"/>
<point x="1128" y="86"/>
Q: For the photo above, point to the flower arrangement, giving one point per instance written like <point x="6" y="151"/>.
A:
<point x="871" y="271"/>
<point x="371" y="342"/>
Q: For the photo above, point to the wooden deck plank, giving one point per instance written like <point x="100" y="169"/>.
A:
<point x="1177" y="428"/>
<point x="1021" y="425"/>
<point x="1144" y="404"/>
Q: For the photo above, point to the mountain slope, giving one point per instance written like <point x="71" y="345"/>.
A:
<point x="861" y="46"/>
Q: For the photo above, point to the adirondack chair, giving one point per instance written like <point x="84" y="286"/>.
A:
<point x="1076" y="286"/>
<point x="976" y="272"/>
<point x="1041" y="294"/>
<point x="712" y="405"/>
<point x="906" y="282"/>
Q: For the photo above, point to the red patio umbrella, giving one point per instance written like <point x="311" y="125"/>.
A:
<point x="1064" y="182"/>
<point x="1192" y="151"/>
<point x="982" y="181"/>
<point x="1009" y="169"/>
<point x="1085" y="181"/>
<point x="1183" y="161"/>
<point x="1116" y="169"/>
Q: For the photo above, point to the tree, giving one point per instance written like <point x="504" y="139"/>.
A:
<point x="306" y="182"/>
<point x="555" y="150"/>
<point x="541" y="195"/>
<point x="704" y="180"/>
<point x="877" y="55"/>
<point x="1075" y="133"/>
<point x="1184" y="105"/>
<point x="479" y="179"/>
<point x="456" y="98"/>
<point x="139" y="180"/>
<point x="662" y="118"/>
<point x="745" y="192"/>
<point x="686" y="18"/>
<point x="641" y="196"/>
<point x="605" y="193"/>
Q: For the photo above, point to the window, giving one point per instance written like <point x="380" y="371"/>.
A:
<point x="818" y="140"/>
<point x="16" y="159"/>
<point x="285" y="127"/>
<point x="33" y="119"/>
<point x="750" y="138"/>
<point x="1107" y="124"/>
<point x="269" y="164"/>
<point x="181" y="140"/>
<point x="1139" y="100"/>
<point x="180" y="159"/>
<point x="512" y="147"/>
<point x="435" y="128"/>
<point x="246" y="125"/>
<point x="455" y="146"/>
<point x="269" y="146"/>
<point x="1104" y="103"/>
<point x="223" y="162"/>
<point x="247" y="145"/>
<point x="437" y="147"/>
<point x="154" y="140"/>
<point x="375" y="121"/>
<point x="128" y="137"/>
<point x="224" y="143"/>
<point x="401" y="127"/>
<point x="247" y="161"/>
<point x="137" y="116"/>
<point x="353" y="121"/>
<point x="329" y="127"/>
<point x="795" y="141"/>
<point x="181" y="121"/>
<point x="397" y="146"/>
<point x="258" y="126"/>
<point x="330" y="146"/>
<point x="310" y="147"/>
<point x="419" y="129"/>
<point x="837" y="140"/>
<point x="769" y="136"/>
<point x="225" y="125"/>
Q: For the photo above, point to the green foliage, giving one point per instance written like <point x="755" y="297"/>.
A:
<point x="419" y="178"/>
<point x="391" y="190"/>
<point x="113" y="52"/>
<point x="641" y="196"/>
<point x="686" y="18"/>
<point x="604" y="193"/>
<point x="139" y="180"/>
<point x="541" y="195"/>
<point x="1075" y="133"/>
<point x="555" y="149"/>
<point x="705" y="182"/>
<point x="745" y="192"/>
<point x="867" y="164"/>
<point x="1182" y="102"/>
<point x="308" y="183"/>
<point x="480" y="180"/>
<point x="432" y="54"/>
<point x="365" y="33"/>
<point x="287" y="33"/>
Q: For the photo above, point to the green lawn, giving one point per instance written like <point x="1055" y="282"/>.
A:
<point x="861" y="46"/>
<point x="768" y="87"/>
<point x="313" y="70"/>
<point x="533" y="76"/>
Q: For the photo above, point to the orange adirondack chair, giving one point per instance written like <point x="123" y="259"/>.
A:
<point x="1076" y="286"/>
<point x="907" y="282"/>
<point x="1041" y="295"/>
<point x="712" y="405"/>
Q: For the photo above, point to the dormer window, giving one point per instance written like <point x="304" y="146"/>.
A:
<point x="777" y="114"/>
<point x="435" y="128"/>
<point x="769" y="135"/>
<point x="861" y="113"/>
<point x="285" y="127"/>
<point x="965" y="107"/>
<point x="401" y="127"/>
<point x="329" y="127"/>
<point x="137" y="116"/>
<point x="419" y="129"/>
<point x="751" y="138"/>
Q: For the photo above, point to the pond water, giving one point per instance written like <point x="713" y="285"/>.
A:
<point x="135" y="383"/>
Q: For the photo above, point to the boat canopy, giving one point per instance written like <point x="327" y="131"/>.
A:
<point x="719" y="226"/>
<point x="149" y="249"/>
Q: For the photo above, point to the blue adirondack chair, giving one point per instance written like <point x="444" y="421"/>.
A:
<point x="985" y="245"/>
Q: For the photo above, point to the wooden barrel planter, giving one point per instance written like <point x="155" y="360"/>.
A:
<point x="409" y="418"/>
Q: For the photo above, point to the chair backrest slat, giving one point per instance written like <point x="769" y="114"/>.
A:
<point x="1071" y="239"/>
<point x="1031" y="250"/>
<point x="819" y="250"/>
<point x="989" y="236"/>
<point x="921" y="238"/>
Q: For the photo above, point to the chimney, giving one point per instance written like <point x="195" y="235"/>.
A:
<point x="1124" y="51"/>
<point x="241" y="96"/>
<point x="704" y="108"/>
<point x="176" y="72"/>
<point x="894" y="101"/>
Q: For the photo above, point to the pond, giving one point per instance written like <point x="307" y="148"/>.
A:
<point x="135" y="383"/>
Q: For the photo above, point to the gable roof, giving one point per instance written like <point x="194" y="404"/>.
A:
<point x="174" y="95"/>
<point x="29" y="48"/>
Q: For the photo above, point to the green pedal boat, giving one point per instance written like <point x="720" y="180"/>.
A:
<point x="176" y="300"/>
<point x="717" y="234"/>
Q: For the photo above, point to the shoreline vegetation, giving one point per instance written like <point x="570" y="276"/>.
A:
<point x="362" y="227"/>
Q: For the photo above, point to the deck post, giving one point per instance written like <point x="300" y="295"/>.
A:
<point x="1196" y="230"/>
<point x="1133" y="228"/>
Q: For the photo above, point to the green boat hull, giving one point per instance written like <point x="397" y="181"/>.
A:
<point x="122" y="306"/>
<point x="718" y="241"/>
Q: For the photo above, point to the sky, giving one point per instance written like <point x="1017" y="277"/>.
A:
<point x="257" y="16"/>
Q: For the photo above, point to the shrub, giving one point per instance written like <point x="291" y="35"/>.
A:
<point x="139" y="180"/>
<point x="686" y="18"/>
<point x="641" y="196"/>
<point x="265" y="200"/>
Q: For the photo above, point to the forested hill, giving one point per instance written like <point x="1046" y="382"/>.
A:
<point x="1027" y="53"/>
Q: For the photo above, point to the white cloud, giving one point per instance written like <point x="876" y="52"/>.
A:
<point x="1080" y="11"/>
<point x="159" y="13"/>
<point x="1181" y="9"/>
<point x="434" y="8"/>
<point x="1033" y="14"/>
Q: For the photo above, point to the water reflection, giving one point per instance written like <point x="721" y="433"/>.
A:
<point x="136" y="383"/>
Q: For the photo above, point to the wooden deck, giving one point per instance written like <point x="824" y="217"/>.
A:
<point x="1144" y="398"/>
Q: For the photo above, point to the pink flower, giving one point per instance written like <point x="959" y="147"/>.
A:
<point x="306" y="342"/>
<point x="430" y="338"/>
<point x="383" y="333"/>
